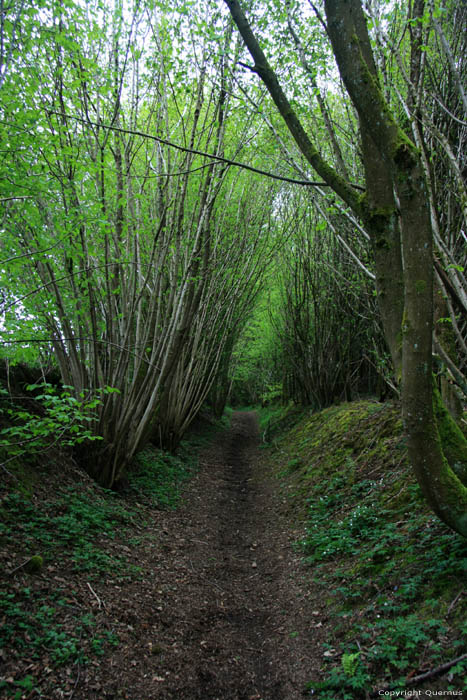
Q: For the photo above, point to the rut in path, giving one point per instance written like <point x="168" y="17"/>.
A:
<point x="247" y="651"/>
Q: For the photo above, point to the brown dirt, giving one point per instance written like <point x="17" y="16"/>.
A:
<point x="223" y="611"/>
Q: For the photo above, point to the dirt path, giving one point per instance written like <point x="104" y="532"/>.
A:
<point x="236" y="642"/>
<point x="222" y="617"/>
<point x="237" y="634"/>
<point x="206" y="602"/>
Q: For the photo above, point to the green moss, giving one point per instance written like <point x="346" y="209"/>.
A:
<point x="452" y="509"/>
<point x="420" y="286"/>
<point x="453" y="441"/>
<point x="382" y="212"/>
<point x="404" y="150"/>
<point x="405" y="325"/>
<point x="363" y="201"/>
<point x="34" y="565"/>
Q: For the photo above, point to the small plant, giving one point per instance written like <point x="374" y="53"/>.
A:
<point x="350" y="663"/>
<point x="32" y="625"/>
<point x="347" y="682"/>
<point x="16" y="689"/>
<point x="159" y="476"/>
<point x="63" y="419"/>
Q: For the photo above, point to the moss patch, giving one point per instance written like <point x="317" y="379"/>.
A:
<point x="420" y="286"/>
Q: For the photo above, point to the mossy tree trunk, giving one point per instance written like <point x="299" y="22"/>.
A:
<point x="349" y="37"/>
<point x="395" y="209"/>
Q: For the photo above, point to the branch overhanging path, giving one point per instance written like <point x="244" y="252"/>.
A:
<point x="185" y="149"/>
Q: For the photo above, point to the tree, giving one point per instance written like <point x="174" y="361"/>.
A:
<point x="327" y="329"/>
<point x="121" y="254"/>
<point x="395" y="211"/>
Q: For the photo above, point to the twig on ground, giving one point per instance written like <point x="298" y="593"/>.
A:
<point x="100" y="603"/>
<point x="205" y="578"/>
<point x="17" y="568"/>
<point x="454" y="602"/>
<point x="422" y="677"/>
<point x="76" y="683"/>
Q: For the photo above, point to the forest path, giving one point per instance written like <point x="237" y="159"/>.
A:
<point x="239" y="643"/>
<point x="223" y="609"/>
<point x="226" y="621"/>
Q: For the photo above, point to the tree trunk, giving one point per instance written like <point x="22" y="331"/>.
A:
<point x="349" y="37"/>
<point x="385" y="146"/>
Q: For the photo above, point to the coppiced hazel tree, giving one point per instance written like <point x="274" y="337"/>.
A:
<point x="331" y="345"/>
<point x="118" y="251"/>
<point x="138" y="270"/>
<point x="236" y="267"/>
<point x="396" y="213"/>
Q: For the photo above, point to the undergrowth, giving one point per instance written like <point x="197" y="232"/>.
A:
<point x="159" y="476"/>
<point x="274" y="419"/>
<point x="392" y="575"/>
<point x="73" y="525"/>
<point x="32" y="626"/>
<point x="80" y="532"/>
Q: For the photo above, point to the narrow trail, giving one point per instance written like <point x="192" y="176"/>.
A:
<point x="223" y="611"/>
<point x="241" y="639"/>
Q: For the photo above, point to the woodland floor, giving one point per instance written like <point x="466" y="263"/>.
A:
<point x="222" y="610"/>
<point x="211" y="600"/>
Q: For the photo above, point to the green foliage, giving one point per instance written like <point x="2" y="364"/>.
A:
<point x="99" y="277"/>
<point x="345" y="683"/>
<point x="391" y="569"/>
<point x="59" y="418"/>
<point x="321" y="328"/>
<point x="256" y="377"/>
<point x="350" y="663"/>
<point x="159" y="475"/>
<point x="30" y="625"/>
<point x="26" y="684"/>
<point x="275" y="418"/>
<point x="374" y="553"/>
<point x="344" y="536"/>
<point x="74" y="522"/>
<point x="75" y="529"/>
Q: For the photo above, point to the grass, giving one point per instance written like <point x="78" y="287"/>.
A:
<point x="393" y="575"/>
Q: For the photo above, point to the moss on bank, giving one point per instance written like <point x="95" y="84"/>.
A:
<point x="452" y="439"/>
<point x="391" y="573"/>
